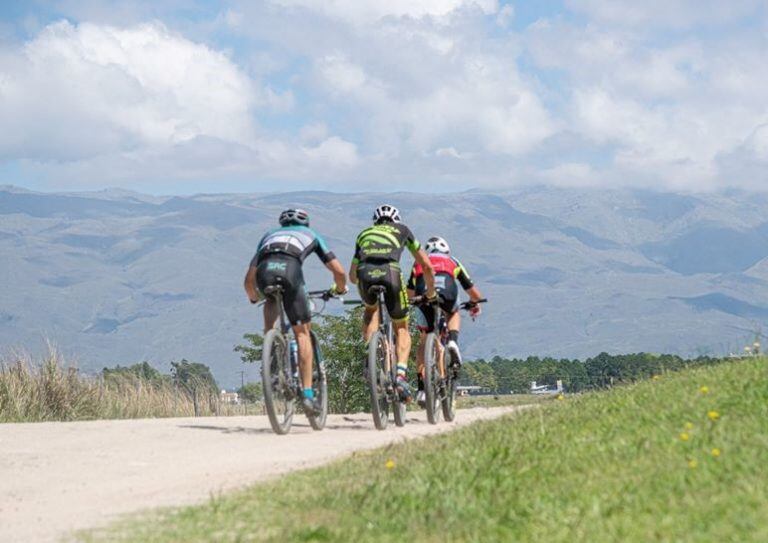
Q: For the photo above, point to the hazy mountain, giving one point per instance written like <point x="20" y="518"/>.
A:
<point x="118" y="277"/>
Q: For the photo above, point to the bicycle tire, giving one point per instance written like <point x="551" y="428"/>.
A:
<point x="398" y="408"/>
<point x="377" y="380"/>
<point x="449" y="394"/>
<point x="274" y="360"/>
<point x="432" y="378"/>
<point x="320" y="386"/>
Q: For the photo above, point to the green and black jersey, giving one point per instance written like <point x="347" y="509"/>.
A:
<point x="384" y="243"/>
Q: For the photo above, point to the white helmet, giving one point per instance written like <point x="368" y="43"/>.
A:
<point x="386" y="212"/>
<point x="437" y="245"/>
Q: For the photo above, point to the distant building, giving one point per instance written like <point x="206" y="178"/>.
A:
<point x="230" y="397"/>
<point x="472" y="390"/>
<point x="546" y="389"/>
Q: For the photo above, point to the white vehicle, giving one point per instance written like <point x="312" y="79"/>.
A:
<point x="546" y="389"/>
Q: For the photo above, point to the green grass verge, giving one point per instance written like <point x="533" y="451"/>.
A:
<point x="630" y="464"/>
<point x="467" y="402"/>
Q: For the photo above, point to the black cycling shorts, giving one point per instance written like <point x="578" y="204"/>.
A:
<point x="446" y="287"/>
<point x="387" y="275"/>
<point x="285" y="270"/>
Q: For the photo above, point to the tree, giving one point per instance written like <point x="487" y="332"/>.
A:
<point x="142" y="371"/>
<point x="193" y="376"/>
<point x="481" y="374"/>
<point x="345" y="355"/>
<point x="251" y="352"/>
<point x="251" y="392"/>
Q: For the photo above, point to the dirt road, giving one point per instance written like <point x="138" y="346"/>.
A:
<point x="59" y="477"/>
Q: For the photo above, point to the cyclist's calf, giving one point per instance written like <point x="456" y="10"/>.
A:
<point x="306" y="354"/>
<point x="403" y="341"/>
<point x="370" y="321"/>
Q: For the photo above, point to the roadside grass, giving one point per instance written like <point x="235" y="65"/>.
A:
<point x="51" y="391"/>
<point x="500" y="400"/>
<point x="678" y="458"/>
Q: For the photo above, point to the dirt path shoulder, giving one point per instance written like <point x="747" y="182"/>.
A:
<point x="60" y="477"/>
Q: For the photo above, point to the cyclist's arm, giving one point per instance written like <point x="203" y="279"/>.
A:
<point x="474" y="294"/>
<point x="429" y="272"/>
<point x="466" y="282"/>
<point x="331" y="262"/>
<point x="339" y="278"/>
<point x="421" y="258"/>
<point x="250" y="284"/>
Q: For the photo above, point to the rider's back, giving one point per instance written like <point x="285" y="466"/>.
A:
<point x="294" y="240"/>
<point x="384" y="242"/>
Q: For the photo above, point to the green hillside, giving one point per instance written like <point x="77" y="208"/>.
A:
<point x="681" y="457"/>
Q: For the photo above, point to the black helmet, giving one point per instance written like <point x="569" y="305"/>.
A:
<point x="294" y="216"/>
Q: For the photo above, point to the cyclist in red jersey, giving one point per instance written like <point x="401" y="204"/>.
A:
<point x="449" y="273"/>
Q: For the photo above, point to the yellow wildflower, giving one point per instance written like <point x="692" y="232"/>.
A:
<point x="704" y="389"/>
<point x="684" y="436"/>
<point x="713" y="415"/>
<point x="715" y="452"/>
<point x="692" y="464"/>
<point x="560" y="397"/>
<point x="656" y="377"/>
<point x="689" y="426"/>
<point x="390" y="464"/>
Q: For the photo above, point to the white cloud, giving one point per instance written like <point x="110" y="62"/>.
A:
<point x="666" y="113"/>
<point x="334" y="150"/>
<point x="665" y="13"/>
<point x="109" y="104"/>
<point x="370" y="11"/>
<point x="78" y="91"/>
<point x="645" y="93"/>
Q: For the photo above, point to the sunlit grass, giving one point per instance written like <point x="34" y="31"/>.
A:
<point x="607" y="466"/>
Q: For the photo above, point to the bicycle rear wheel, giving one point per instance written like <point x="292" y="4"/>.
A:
<point x="320" y="386"/>
<point x="449" y="394"/>
<point x="432" y="377"/>
<point x="278" y="396"/>
<point x="377" y="380"/>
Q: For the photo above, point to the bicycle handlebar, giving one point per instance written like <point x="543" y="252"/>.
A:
<point x="324" y="295"/>
<point x="466" y="306"/>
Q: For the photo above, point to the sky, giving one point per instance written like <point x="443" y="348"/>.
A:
<point x="179" y="97"/>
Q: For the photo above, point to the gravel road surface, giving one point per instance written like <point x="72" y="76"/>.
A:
<point x="56" y="477"/>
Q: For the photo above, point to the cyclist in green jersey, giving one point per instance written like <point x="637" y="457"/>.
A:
<point x="377" y="262"/>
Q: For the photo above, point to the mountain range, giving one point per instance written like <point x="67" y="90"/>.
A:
<point x="119" y="277"/>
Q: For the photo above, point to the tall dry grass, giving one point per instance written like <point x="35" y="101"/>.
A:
<point x="52" y="391"/>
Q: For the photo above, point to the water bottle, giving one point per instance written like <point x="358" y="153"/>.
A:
<point x="293" y="348"/>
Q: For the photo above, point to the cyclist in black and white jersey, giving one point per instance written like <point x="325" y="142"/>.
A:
<point x="278" y="261"/>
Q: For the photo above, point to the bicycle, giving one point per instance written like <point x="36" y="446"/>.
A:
<point x="439" y="384"/>
<point x="381" y="367"/>
<point x="280" y="370"/>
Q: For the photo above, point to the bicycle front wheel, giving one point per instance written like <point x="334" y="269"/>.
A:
<point x="432" y="377"/>
<point x="377" y="379"/>
<point x="278" y="397"/>
<point x="320" y="386"/>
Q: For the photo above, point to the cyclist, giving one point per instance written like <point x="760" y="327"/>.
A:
<point x="377" y="262"/>
<point x="448" y="271"/>
<point x="278" y="260"/>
